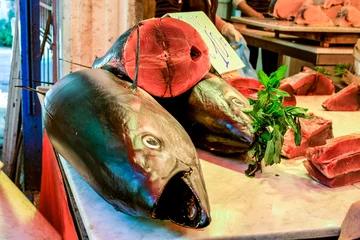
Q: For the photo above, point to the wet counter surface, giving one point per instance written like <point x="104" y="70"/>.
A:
<point x="282" y="202"/>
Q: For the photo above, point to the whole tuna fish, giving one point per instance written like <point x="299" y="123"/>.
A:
<point x="172" y="56"/>
<point x="130" y="150"/>
<point x="211" y="114"/>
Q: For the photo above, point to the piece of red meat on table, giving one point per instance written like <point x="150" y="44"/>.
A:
<point x="342" y="180"/>
<point x="313" y="15"/>
<point x="354" y="3"/>
<point x="348" y="99"/>
<point x="332" y="11"/>
<point x="249" y="88"/>
<point x="310" y="82"/>
<point x="287" y="9"/>
<point x="337" y="162"/>
<point x="314" y="132"/>
<point x="349" y="16"/>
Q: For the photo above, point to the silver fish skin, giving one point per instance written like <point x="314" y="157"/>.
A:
<point x="216" y="109"/>
<point x="129" y="149"/>
<point x="211" y="112"/>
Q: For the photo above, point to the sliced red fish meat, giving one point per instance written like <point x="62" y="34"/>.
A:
<point x="249" y="88"/>
<point x="333" y="11"/>
<point x="349" y="16"/>
<point x="348" y="99"/>
<point x="342" y="180"/>
<point x="173" y="56"/>
<point x="287" y="9"/>
<point x="334" y="148"/>
<point x="310" y="82"/>
<point x="314" y="132"/>
<point x="312" y="15"/>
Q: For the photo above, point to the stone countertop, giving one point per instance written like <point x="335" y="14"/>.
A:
<point x="282" y="202"/>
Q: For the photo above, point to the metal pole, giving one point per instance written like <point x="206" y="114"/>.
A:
<point x="31" y="110"/>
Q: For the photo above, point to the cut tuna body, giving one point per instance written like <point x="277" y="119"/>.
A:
<point x="312" y="15"/>
<point x="349" y="16"/>
<point x="343" y="180"/>
<point x="310" y="82"/>
<point x="333" y="11"/>
<point x="314" y="132"/>
<point x="348" y="99"/>
<point x="287" y="9"/>
<point x="173" y="57"/>
<point x="336" y="163"/>
<point x="249" y="88"/>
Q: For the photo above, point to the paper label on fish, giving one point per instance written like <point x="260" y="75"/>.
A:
<point x="223" y="58"/>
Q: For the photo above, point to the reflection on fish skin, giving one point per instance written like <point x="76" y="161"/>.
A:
<point x="211" y="112"/>
<point x="129" y="149"/>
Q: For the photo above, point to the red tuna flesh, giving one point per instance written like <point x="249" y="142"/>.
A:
<point x="342" y="180"/>
<point x="287" y="9"/>
<point x="340" y="165"/>
<point x="333" y="11"/>
<point x="173" y="56"/>
<point x="348" y="16"/>
<point x="354" y="3"/>
<point x="348" y="99"/>
<point x="334" y="148"/>
<point x="330" y="3"/>
<point x="309" y="82"/>
<point x="314" y="132"/>
<point x="249" y="88"/>
<point x="312" y="15"/>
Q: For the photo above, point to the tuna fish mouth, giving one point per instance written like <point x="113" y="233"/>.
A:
<point x="180" y="204"/>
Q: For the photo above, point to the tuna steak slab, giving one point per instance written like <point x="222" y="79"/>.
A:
<point x="287" y="9"/>
<point x="337" y="161"/>
<point x="342" y="180"/>
<point x="349" y="16"/>
<point x="173" y="57"/>
<point x="348" y="99"/>
<point x="314" y="131"/>
<point x="249" y="88"/>
<point x="310" y="82"/>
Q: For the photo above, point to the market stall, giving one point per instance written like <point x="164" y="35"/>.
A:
<point x="282" y="202"/>
<point x="128" y="137"/>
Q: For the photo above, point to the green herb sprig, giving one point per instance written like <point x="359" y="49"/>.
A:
<point x="271" y="121"/>
<point x="322" y="70"/>
<point x="340" y="68"/>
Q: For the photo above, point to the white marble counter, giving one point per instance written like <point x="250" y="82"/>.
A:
<point x="283" y="202"/>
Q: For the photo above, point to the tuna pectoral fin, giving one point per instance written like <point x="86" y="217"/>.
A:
<point x="182" y="204"/>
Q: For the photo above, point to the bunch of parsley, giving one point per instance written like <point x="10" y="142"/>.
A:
<point x="271" y="121"/>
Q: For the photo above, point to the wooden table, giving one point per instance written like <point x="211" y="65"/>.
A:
<point x="324" y="35"/>
<point x="296" y="47"/>
<point x="282" y="202"/>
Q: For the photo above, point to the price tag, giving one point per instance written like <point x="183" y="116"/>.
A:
<point x="223" y="57"/>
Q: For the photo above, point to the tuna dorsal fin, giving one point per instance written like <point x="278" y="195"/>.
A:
<point x="134" y="85"/>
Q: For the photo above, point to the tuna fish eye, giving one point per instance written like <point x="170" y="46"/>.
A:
<point x="192" y="211"/>
<point x="237" y="102"/>
<point x="151" y="142"/>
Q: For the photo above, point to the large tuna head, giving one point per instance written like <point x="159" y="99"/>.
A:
<point x="216" y="116"/>
<point x="130" y="150"/>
